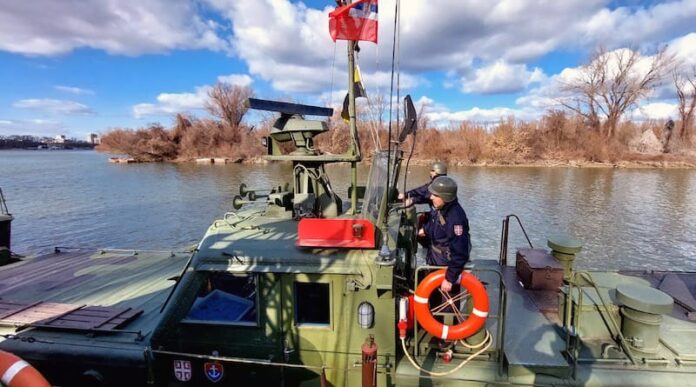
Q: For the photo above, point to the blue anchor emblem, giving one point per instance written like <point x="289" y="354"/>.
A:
<point x="214" y="371"/>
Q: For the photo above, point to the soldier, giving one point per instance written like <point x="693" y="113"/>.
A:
<point x="667" y="135"/>
<point x="447" y="231"/>
<point x="421" y="195"/>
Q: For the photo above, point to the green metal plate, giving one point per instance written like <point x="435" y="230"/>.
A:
<point x="681" y="342"/>
<point x="564" y="244"/>
<point x="644" y="298"/>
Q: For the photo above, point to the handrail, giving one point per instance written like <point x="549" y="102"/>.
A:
<point x="504" y="237"/>
<point x="3" y="204"/>
<point x="502" y="306"/>
<point x="614" y="328"/>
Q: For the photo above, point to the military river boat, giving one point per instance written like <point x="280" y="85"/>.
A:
<point x="296" y="286"/>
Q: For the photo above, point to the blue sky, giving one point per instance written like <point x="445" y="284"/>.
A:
<point x="75" y="67"/>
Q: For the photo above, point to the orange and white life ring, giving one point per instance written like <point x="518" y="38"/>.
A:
<point x="15" y="372"/>
<point x="464" y="329"/>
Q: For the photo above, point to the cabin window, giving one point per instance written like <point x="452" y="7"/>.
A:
<point x="226" y="298"/>
<point x="312" y="303"/>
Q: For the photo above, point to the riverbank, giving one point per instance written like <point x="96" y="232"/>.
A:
<point x="563" y="141"/>
<point x="665" y="161"/>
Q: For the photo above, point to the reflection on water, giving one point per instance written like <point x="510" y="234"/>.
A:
<point x="625" y="218"/>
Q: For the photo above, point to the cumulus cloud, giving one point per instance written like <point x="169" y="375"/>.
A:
<point x="172" y="103"/>
<point x="73" y="90"/>
<point x="654" y="111"/>
<point x="684" y="49"/>
<point x="56" y="106"/>
<point x="284" y="43"/>
<point x="236" y="79"/>
<point x="550" y="93"/>
<point x="297" y="55"/>
<point x="130" y="27"/>
<point x="483" y="116"/>
<point x="501" y="77"/>
<point x="648" y="25"/>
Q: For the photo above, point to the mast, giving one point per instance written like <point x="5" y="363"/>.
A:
<point x="355" y="146"/>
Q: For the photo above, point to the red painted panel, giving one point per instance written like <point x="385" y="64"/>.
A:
<point x="318" y="232"/>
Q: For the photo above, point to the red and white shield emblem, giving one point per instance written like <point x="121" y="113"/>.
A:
<point x="182" y="370"/>
<point x="458" y="229"/>
<point x="213" y="371"/>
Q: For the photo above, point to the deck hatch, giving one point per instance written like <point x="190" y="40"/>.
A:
<point x="65" y="316"/>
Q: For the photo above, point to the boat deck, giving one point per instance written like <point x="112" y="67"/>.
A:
<point x="534" y="341"/>
<point x="85" y="302"/>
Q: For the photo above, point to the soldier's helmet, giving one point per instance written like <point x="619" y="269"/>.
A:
<point x="444" y="187"/>
<point x="439" y="167"/>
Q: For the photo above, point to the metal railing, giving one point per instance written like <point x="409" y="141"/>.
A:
<point x="3" y="204"/>
<point x="500" y="316"/>
<point x="504" y="238"/>
<point x="572" y="325"/>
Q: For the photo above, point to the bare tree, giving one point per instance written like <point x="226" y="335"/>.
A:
<point x="613" y="82"/>
<point x="685" y="83"/>
<point x="228" y="103"/>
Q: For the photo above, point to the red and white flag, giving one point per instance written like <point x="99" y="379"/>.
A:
<point x="355" y="21"/>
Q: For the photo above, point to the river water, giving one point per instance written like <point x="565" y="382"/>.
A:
<point x="625" y="218"/>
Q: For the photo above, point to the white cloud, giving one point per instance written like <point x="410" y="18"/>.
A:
<point x="654" y="111"/>
<point x="130" y="27"/>
<point x="482" y="115"/>
<point x="684" y="48"/>
<point x="285" y="43"/>
<point x="56" y="106"/>
<point x="172" y="103"/>
<point x="501" y="77"/>
<point x="236" y="79"/>
<point x="639" y="25"/>
<point x="549" y="94"/>
<point x="74" y="90"/>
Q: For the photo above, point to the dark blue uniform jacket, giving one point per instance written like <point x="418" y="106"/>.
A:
<point x="420" y="195"/>
<point x="448" y="231"/>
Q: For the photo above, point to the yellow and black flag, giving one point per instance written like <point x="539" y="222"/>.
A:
<point x="359" y="92"/>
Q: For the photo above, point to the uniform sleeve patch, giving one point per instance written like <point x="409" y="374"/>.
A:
<point x="458" y="229"/>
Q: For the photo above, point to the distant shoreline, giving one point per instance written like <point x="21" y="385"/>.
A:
<point x="91" y="148"/>
<point x="661" y="161"/>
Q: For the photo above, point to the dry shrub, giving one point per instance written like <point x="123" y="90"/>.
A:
<point x="191" y="138"/>
<point x="475" y="143"/>
<point x="151" y="143"/>
<point x="559" y="135"/>
<point x="117" y="140"/>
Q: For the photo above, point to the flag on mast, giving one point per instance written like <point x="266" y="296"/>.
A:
<point x="359" y="92"/>
<point x="355" y="21"/>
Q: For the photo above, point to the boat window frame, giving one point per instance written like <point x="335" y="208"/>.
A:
<point x="295" y="304"/>
<point x="257" y="302"/>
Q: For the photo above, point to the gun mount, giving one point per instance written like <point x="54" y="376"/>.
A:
<point x="312" y="194"/>
<point x="293" y="126"/>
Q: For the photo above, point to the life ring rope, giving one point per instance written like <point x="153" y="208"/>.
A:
<point x="449" y="300"/>
<point x="466" y="326"/>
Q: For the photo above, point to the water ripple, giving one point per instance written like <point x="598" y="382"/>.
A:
<point x="638" y="219"/>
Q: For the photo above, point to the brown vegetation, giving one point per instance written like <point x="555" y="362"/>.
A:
<point x="559" y="137"/>
<point x="589" y="130"/>
<point x="685" y="84"/>
<point x="189" y="137"/>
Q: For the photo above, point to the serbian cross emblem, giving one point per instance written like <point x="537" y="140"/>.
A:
<point x="182" y="370"/>
<point x="214" y="371"/>
<point x="458" y="229"/>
